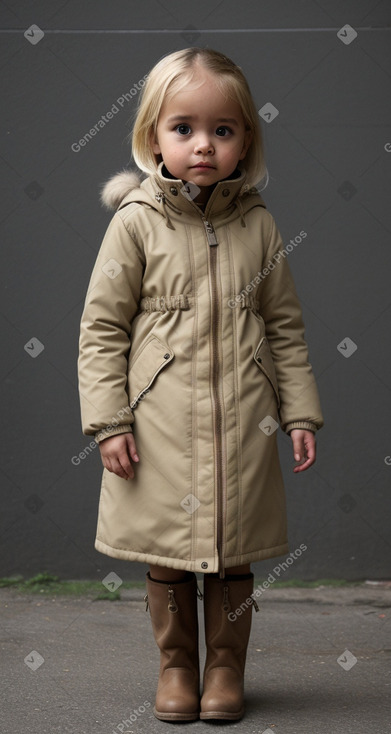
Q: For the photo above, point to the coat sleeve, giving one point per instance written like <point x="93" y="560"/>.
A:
<point x="111" y="304"/>
<point x="280" y="308"/>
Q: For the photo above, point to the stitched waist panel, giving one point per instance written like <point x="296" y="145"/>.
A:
<point x="165" y="303"/>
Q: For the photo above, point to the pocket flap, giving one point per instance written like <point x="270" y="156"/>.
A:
<point x="145" y="365"/>
<point x="263" y="358"/>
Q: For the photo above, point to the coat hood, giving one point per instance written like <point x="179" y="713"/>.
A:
<point x="119" y="186"/>
<point x="163" y="193"/>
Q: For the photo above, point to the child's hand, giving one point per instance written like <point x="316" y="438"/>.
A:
<point x="116" y="453"/>
<point x="304" y="448"/>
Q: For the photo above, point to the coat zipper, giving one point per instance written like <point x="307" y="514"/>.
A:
<point x="217" y="406"/>
<point x="210" y="233"/>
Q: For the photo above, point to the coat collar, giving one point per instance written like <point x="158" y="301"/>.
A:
<point x="170" y="196"/>
<point x="181" y="196"/>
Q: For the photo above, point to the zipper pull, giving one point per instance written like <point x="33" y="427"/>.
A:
<point x="146" y="602"/>
<point x="172" y="605"/>
<point x="210" y="233"/>
<point x="226" y="604"/>
<point x="255" y="605"/>
<point x="199" y="593"/>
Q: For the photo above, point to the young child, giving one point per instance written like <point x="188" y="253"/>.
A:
<point x="191" y="350"/>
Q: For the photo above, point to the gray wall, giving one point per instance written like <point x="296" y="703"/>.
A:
<point x="329" y="155"/>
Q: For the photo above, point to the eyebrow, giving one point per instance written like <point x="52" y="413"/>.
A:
<point x="231" y="120"/>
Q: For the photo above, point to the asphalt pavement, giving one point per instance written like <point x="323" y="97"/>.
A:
<point x="318" y="663"/>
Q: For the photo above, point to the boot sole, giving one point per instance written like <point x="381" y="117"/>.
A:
<point x="163" y="716"/>
<point x="224" y="715"/>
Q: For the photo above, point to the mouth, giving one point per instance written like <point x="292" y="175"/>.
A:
<point x="203" y="165"/>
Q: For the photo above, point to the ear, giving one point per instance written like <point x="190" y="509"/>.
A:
<point x="248" y="136"/>
<point x="154" y="144"/>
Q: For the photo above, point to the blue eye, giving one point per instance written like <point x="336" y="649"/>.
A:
<point x="222" y="131"/>
<point x="183" y="128"/>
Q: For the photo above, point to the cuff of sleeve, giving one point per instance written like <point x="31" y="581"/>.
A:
<point x="111" y="431"/>
<point x="304" y="425"/>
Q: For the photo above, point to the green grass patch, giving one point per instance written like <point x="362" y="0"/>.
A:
<point x="47" y="584"/>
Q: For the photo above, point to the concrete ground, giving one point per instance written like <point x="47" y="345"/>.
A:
<point x="318" y="663"/>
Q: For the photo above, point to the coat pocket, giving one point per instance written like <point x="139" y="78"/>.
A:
<point x="144" y="367"/>
<point x="264" y="360"/>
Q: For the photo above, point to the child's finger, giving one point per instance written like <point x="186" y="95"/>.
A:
<point x="311" y="450"/>
<point x="122" y="467"/>
<point x="132" y="447"/>
<point x="106" y="463"/>
<point x="298" y="447"/>
<point x="303" y="466"/>
<point x="308" y="459"/>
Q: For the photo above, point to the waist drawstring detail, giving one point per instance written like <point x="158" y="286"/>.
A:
<point x="165" y="303"/>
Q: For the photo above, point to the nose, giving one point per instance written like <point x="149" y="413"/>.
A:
<point x="203" y="145"/>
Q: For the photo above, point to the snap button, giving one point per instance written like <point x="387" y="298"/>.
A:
<point x="204" y="564"/>
<point x="225" y="192"/>
<point x="166" y="356"/>
<point x="173" y="190"/>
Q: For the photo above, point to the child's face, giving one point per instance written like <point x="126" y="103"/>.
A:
<point x="201" y="127"/>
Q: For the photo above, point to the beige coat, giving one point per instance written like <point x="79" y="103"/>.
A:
<point x="192" y="337"/>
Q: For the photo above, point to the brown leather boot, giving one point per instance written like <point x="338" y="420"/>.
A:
<point x="226" y="634"/>
<point x="173" y="609"/>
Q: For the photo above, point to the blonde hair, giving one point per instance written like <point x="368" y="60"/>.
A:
<point x="175" y="72"/>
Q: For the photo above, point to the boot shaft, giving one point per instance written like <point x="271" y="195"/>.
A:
<point x="228" y="608"/>
<point x="174" y="618"/>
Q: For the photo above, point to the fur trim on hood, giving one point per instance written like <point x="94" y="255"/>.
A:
<point x="119" y="186"/>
